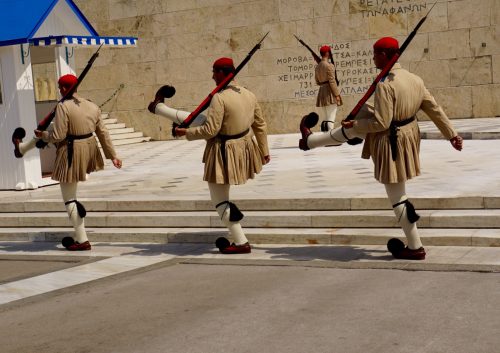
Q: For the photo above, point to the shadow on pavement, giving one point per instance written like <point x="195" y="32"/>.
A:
<point x="327" y="253"/>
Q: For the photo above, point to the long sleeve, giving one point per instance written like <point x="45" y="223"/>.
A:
<point x="331" y="80"/>
<point x="259" y="128"/>
<point x="213" y="124"/>
<point x="59" y="129"/>
<point x="437" y="115"/>
<point x="103" y="135"/>
<point x="384" y="112"/>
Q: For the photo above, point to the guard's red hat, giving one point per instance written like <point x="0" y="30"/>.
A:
<point x="386" y="43"/>
<point x="223" y="62"/>
<point x="324" y="49"/>
<point x="67" y="80"/>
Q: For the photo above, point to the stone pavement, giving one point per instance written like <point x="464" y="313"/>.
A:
<point x="106" y="260"/>
<point x="172" y="170"/>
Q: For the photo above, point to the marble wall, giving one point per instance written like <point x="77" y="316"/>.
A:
<point x="456" y="52"/>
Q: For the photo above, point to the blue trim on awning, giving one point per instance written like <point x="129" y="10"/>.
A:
<point x="84" y="41"/>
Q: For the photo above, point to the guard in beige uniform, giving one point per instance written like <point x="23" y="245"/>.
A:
<point x="236" y="149"/>
<point x="392" y="139"/>
<point x="329" y="93"/>
<point x="77" y="153"/>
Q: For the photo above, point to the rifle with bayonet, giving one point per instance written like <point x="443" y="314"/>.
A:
<point x="317" y="58"/>
<point x="206" y="102"/>
<point x="386" y="69"/>
<point x="17" y="137"/>
<point x="381" y="75"/>
<point x="313" y="53"/>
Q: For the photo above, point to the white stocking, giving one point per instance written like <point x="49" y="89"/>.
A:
<point x="220" y="193"/>
<point x="329" y="114"/>
<point x="68" y="191"/>
<point x="333" y="137"/>
<point x="178" y="116"/>
<point x="396" y="193"/>
<point x="25" y="147"/>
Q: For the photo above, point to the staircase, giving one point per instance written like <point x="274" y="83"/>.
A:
<point x="122" y="135"/>
<point x="357" y="221"/>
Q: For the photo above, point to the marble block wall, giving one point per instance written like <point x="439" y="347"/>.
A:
<point x="456" y="52"/>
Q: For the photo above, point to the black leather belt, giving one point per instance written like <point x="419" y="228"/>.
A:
<point x="224" y="139"/>
<point x="393" y="134"/>
<point x="70" y="139"/>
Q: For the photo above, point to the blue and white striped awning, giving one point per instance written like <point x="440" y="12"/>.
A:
<point x="84" y="41"/>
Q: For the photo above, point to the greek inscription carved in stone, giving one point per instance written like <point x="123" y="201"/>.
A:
<point x="355" y="71"/>
<point x="372" y="8"/>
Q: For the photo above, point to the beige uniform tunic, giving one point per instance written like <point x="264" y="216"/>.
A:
<point x="78" y="116"/>
<point x="325" y="77"/>
<point x="231" y="112"/>
<point x="398" y="97"/>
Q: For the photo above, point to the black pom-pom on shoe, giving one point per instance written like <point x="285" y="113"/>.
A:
<point x="395" y="246"/>
<point x="221" y="243"/>
<point x="311" y="120"/>
<point x="67" y="242"/>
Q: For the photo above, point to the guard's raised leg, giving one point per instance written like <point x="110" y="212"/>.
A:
<point x="158" y="107"/>
<point x="333" y="137"/>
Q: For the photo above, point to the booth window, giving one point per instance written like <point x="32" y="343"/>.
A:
<point x="44" y="70"/>
<point x="44" y="78"/>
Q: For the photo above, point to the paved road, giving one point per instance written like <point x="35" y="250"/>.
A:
<point x="173" y="307"/>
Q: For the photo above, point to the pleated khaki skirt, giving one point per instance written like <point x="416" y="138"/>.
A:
<point x="325" y="96"/>
<point x="87" y="158"/>
<point x="243" y="160"/>
<point x="407" y="164"/>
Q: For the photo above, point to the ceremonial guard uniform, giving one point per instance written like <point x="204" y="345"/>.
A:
<point x="236" y="149"/>
<point x="392" y="138"/>
<point x="77" y="153"/>
<point x="329" y="93"/>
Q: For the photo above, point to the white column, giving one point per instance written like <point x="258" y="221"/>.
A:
<point x="17" y="110"/>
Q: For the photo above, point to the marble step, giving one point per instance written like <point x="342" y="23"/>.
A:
<point x="479" y="218"/>
<point x="264" y="204"/>
<point x="125" y="130"/>
<point x="130" y="141"/>
<point x="338" y="236"/>
<point x="108" y="121"/>
<point x="125" y="136"/>
<point x="113" y="126"/>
